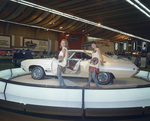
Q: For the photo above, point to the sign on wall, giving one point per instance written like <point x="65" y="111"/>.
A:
<point x="87" y="44"/>
<point x="5" y="41"/>
<point x="116" y="46"/>
<point x="36" y="44"/>
<point x="125" y="46"/>
<point x="134" y="46"/>
<point x="56" y="45"/>
<point x="73" y="38"/>
<point x="144" y="46"/>
<point x="104" y="46"/>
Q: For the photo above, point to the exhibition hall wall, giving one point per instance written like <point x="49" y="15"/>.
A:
<point x="74" y="40"/>
<point x="105" y="46"/>
<point x="18" y="33"/>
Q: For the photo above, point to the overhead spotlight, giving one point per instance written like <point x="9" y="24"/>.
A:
<point x="67" y="35"/>
<point x="139" y="8"/>
<point x="99" y="24"/>
<point x="60" y="27"/>
<point x="83" y="30"/>
<point x="143" y="6"/>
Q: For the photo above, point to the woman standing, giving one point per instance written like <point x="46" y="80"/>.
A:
<point x="95" y="63"/>
<point x="63" y="57"/>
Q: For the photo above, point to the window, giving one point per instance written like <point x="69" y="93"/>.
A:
<point x="81" y="55"/>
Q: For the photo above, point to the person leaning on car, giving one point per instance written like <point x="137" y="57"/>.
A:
<point x="95" y="63"/>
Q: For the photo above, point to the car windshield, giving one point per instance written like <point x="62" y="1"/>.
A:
<point x="70" y="53"/>
<point x="78" y="55"/>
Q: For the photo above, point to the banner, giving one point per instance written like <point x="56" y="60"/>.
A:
<point x="5" y="41"/>
<point x="87" y="44"/>
<point x="36" y="44"/>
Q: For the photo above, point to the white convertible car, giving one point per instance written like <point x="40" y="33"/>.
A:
<point x="78" y="67"/>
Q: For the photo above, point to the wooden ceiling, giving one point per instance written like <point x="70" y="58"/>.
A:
<point x="117" y="14"/>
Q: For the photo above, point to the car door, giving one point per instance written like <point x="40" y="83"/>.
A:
<point x="78" y="64"/>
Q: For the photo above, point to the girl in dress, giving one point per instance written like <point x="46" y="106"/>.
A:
<point x="63" y="57"/>
<point x="95" y="63"/>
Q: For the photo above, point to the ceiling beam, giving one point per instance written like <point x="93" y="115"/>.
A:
<point x="30" y="4"/>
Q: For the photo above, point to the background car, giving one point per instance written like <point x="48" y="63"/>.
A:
<point x="78" y="67"/>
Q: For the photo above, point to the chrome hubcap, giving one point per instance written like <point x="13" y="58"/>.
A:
<point x="102" y="77"/>
<point x="37" y="73"/>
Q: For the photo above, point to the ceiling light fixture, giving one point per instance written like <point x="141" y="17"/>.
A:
<point x="30" y="26"/>
<point x="140" y="9"/>
<point x="60" y="27"/>
<point x="99" y="24"/>
<point x="143" y="6"/>
<point x="30" y="4"/>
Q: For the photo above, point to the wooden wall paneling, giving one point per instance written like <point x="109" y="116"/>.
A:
<point x="17" y="41"/>
<point x="13" y="40"/>
<point x="37" y="32"/>
<point x="6" y="28"/>
<point x="2" y="28"/>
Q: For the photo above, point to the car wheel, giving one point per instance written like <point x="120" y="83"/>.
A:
<point x="104" y="78"/>
<point x="37" y="73"/>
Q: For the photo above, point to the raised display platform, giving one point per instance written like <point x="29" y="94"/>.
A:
<point x="81" y="82"/>
<point x="127" y="97"/>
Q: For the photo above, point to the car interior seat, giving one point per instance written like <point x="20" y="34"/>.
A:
<point x="76" y="67"/>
